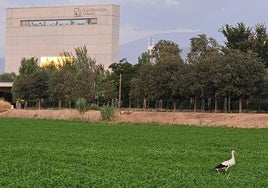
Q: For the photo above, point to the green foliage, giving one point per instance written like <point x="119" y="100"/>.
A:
<point x="28" y="66"/>
<point x="81" y="105"/>
<point x="84" y="85"/>
<point x="83" y="60"/>
<point x="127" y="72"/>
<point x="167" y="51"/>
<point x="237" y="36"/>
<point x="106" y="87"/>
<point x="76" y="77"/>
<point x="107" y="112"/>
<point x="33" y="86"/>
<point x="93" y="106"/>
<point x="246" y="39"/>
<point x="202" y="47"/>
<point x="47" y="153"/>
<point x="61" y="83"/>
<point x="7" y="76"/>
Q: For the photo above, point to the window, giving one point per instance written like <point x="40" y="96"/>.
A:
<point x="92" y="21"/>
<point x="32" y="23"/>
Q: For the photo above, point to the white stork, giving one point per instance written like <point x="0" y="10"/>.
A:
<point x="226" y="164"/>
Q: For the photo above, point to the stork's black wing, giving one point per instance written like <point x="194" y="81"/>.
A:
<point x="220" y="166"/>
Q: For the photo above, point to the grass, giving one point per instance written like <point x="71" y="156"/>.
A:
<point x="49" y="153"/>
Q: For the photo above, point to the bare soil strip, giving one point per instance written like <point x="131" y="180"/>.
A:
<point x="245" y="120"/>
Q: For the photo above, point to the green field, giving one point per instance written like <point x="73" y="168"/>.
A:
<point x="47" y="153"/>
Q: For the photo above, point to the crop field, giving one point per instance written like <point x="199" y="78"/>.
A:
<point x="50" y="153"/>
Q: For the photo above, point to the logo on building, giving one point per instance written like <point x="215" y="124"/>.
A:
<point x="77" y="12"/>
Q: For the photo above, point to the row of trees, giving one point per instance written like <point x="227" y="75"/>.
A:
<point x="76" y="78"/>
<point x="212" y="77"/>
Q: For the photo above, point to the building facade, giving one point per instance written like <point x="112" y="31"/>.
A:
<point x="46" y="32"/>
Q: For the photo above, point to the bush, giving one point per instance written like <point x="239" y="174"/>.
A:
<point x="93" y="106"/>
<point x="4" y="104"/>
<point x="81" y="105"/>
<point x="107" y="113"/>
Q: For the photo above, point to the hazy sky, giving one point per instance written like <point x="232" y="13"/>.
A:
<point x="180" y="19"/>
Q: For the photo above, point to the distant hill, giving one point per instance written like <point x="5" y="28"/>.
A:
<point x="133" y="50"/>
<point x="2" y="65"/>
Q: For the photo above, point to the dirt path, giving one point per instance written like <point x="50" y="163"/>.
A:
<point x="199" y="119"/>
<point x="175" y="118"/>
<point x="64" y="114"/>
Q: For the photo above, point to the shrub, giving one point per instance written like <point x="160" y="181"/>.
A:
<point x="107" y="113"/>
<point x="81" y="105"/>
<point x="94" y="106"/>
<point x="4" y="104"/>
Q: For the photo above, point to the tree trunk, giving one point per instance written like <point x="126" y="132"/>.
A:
<point x="225" y="105"/>
<point x="120" y="92"/>
<point x="138" y="103"/>
<point x="195" y="104"/>
<point x="129" y="103"/>
<point x="174" y="106"/>
<point x="25" y="105"/>
<point x="70" y="104"/>
<point x="144" y="103"/>
<point x="216" y="105"/>
<point x="240" y="105"/>
<point x="112" y="102"/>
<point x="203" y="105"/>
<point x="39" y="104"/>
<point x="229" y="104"/>
<point x="209" y="104"/>
<point x="59" y="104"/>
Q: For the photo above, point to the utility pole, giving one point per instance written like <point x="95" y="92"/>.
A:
<point x="120" y="85"/>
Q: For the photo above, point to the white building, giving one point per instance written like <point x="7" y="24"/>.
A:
<point x="48" y="31"/>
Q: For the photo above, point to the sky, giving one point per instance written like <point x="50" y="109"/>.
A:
<point x="175" y="20"/>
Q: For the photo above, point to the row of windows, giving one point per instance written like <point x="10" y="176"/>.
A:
<point x="32" y="23"/>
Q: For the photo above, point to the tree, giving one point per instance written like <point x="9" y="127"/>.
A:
<point x="246" y="39"/>
<point x="153" y="80"/>
<point x="238" y="37"/>
<point x="61" y="84"/>
<point x="127" y="72"/>
<point x="166" y="51"/>
<point x="76" y="78"/>
<point x="250" y="77"/>
<point x="32" y="87"/>
<point x="202" y="47"/>
<point x="83" y="60"/>
<point x="25" y="83"/>
<point x="202" y="58"/>
<point x="141" y="83"/>
<point x="28" y="66"/>
<point x="178" y="83"/>
<point x="259" y="43"/>
<point x="8" y="76"/>
<point x="84" y="86"/>
<point x="240" y="75"/>
<point x="87" y="75"/>
<point x="38" y="86"/>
